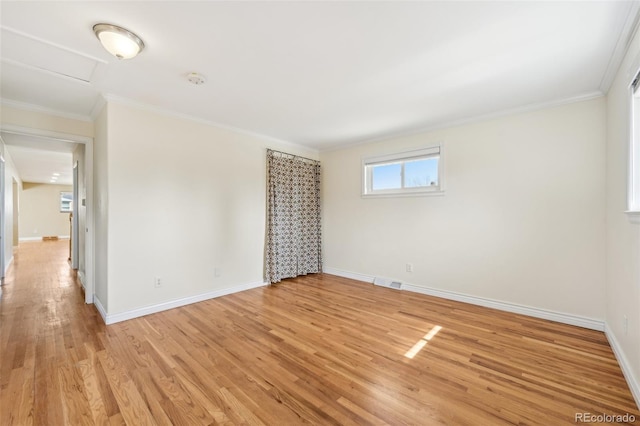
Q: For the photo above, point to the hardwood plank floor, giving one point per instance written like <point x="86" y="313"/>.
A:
<point x="314" y="350"/>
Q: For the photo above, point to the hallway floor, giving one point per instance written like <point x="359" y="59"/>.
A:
<point x="47" y="331"/>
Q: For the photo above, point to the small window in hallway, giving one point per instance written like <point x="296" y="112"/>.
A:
<point x="66" y="202"/>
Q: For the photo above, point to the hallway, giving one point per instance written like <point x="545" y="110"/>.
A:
<point x="47" y="335"/>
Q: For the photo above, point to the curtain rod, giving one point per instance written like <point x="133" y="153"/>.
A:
<point x="293" y="155"/>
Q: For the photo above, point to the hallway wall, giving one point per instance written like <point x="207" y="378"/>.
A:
<point x="10" y="173"/>
<point x="40" y="214"/>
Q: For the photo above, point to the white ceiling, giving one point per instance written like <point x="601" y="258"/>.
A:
<point x="39" y="159"/>
<point x="320" y="74"/>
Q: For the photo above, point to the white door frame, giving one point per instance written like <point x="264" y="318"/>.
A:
<point x="75" y="236"/>
<point x="89" y="279"/>
<point x="3" y="216"/>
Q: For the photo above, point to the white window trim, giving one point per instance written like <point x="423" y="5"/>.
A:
<point x="633" y="168"/>
<point x="405" y="155"/>
<point x="633" y="216"/>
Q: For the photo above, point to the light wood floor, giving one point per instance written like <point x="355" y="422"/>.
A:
<point x="315" y="350"/>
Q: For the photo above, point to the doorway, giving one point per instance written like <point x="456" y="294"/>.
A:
<point x="74" y="237"/>
<point x="47" y="140"/>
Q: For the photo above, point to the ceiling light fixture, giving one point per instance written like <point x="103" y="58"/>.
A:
<point x="120" y="42"/>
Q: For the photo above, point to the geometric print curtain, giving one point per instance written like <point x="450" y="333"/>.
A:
<point x="293" y="217"/>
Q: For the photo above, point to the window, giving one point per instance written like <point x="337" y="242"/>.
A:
<point x="66" y="200"/>
<point x="633" y="186"/>
<point x="416" y="172"/>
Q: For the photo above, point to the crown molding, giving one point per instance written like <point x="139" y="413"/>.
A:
<point x="97" y="107"/>
<point x="172" y="113"/>
<point x="474" y="119"/>
<point x="37" y="108"/>
<point x="629" y="30"/>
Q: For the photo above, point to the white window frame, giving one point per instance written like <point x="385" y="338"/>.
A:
<point x="405" y="156"/>
<point x="633" y="172"/>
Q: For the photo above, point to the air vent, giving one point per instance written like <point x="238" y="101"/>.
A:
<point x="387" y="282"/>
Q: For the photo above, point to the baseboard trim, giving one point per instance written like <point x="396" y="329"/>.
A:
<point x="348" y="274"/>
<point x="26" y="239"/>
<point x="564" y="318"/>
<point x="515" y="308"/>
<point x="82" y="279"/>
<point x="101" y="310"/>
<point x="633" y="383"/>
<point x="152" y="309"/>
<point x="6" y="268"/>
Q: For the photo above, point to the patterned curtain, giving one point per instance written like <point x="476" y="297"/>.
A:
<point x="293" y="217"/>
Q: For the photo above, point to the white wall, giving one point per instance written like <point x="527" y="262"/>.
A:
<point x="100" y="191"/>
<point x="623" y="237"/>
<point x="40" y="211"/>
<point x="42" y="121"/>
<point x="10" y="174"/>
<point x="184" y="198"/>
<point x="522" y="221"/>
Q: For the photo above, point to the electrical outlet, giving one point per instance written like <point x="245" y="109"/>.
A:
<point x="625" y="324"/>
<point x="216" y="272"/>
<point x="157" y="282"/>
<point x="409" y="267"/>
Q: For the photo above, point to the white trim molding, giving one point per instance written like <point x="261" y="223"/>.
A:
<point x="515" y="308"/>
<point x="633" y="216"/>
<point x="40" y="109"/>
<point x="634" y="385"/>
<point x="60" y="237"/>
<point x="6" y="268"/>
<point x="164" y="306"/>
<point x="629" y="28"/>
<point x="348" y="274"/>
<point x="560" y="317"/>
<point x="101" y="310"/>
<point x="107" y="97"/>
<point x="472" y="119"/>
<point x="58" y="136"/>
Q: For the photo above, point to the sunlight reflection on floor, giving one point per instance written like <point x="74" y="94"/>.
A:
<point x="422" y="342"/>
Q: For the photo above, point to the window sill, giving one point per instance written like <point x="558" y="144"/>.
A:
<point x="633" y="216"/>
<point x="406" y="194"/>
